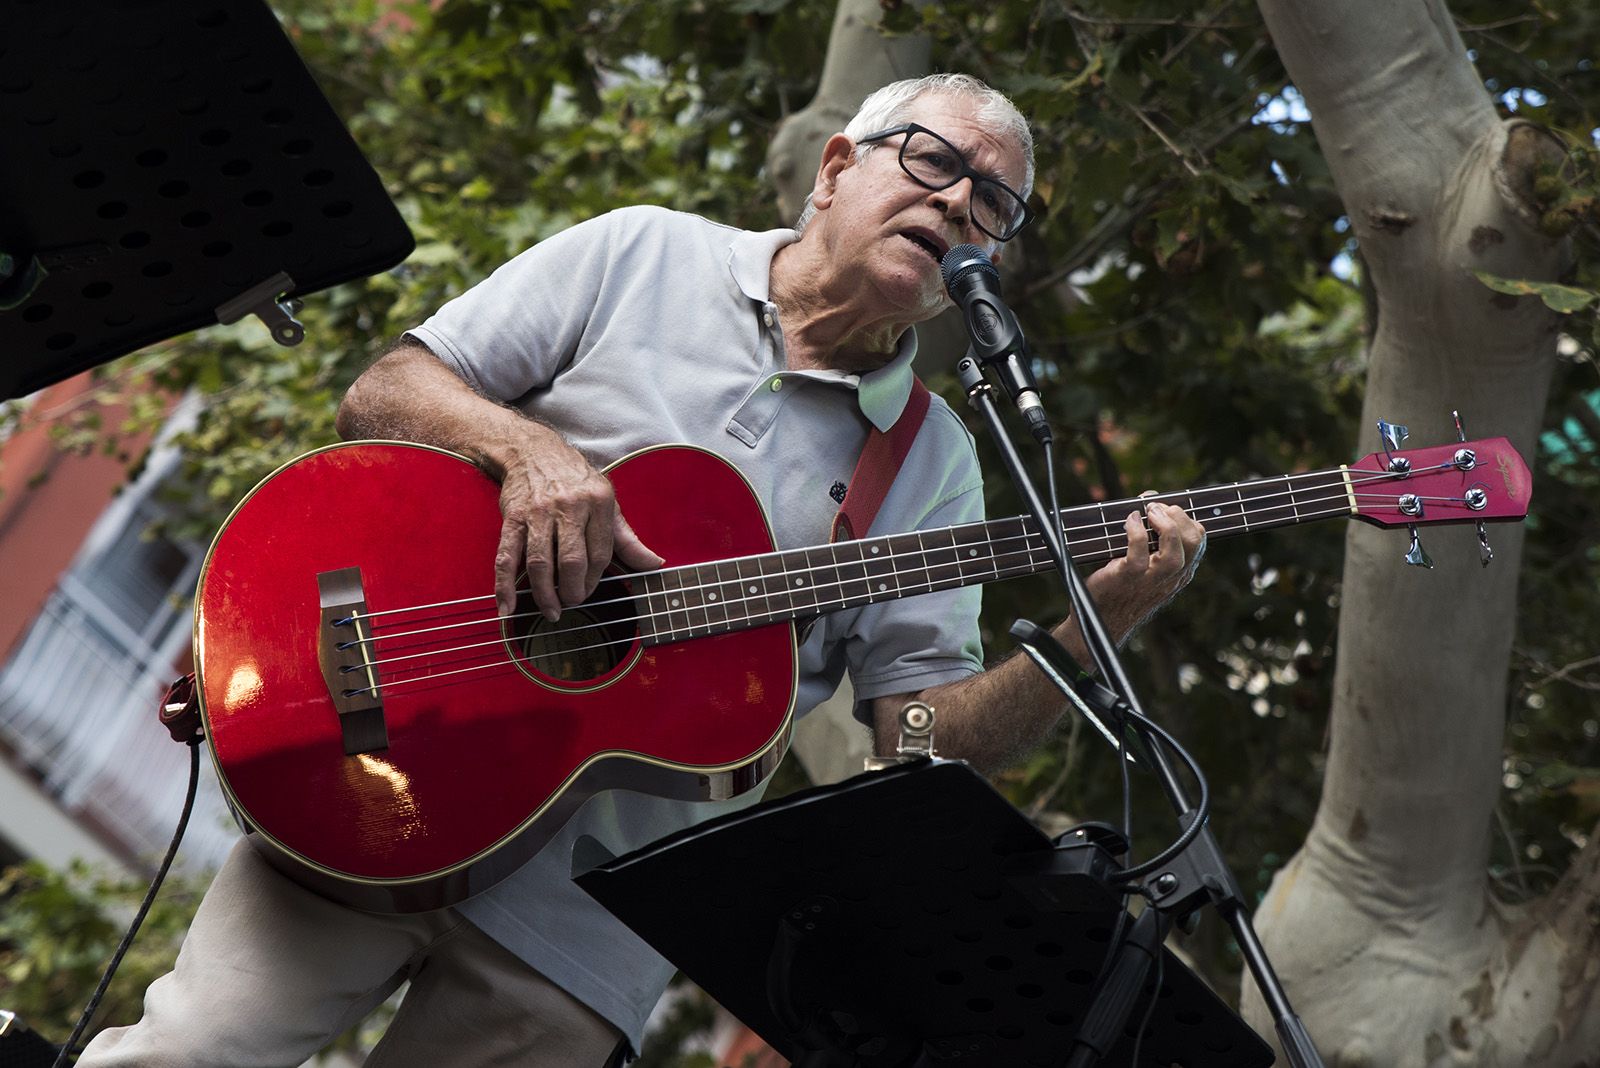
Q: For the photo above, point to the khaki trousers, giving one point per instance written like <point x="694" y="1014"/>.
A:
<point x="270" y="973"/>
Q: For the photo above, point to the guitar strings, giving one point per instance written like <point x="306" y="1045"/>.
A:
<point x="1032" y="541"/>
<point x="390" y="684"/>
<point x="1107" y="528"/>
<point x="1030" y="538"/>
<point x="1371" y="476"/>
<point x="674" y="635"/>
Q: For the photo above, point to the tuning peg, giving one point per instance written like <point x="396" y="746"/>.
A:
<point x="1485" y="554"/>
<point x="1393" y="436"/>
<point x="1464" y="459"/>
<point x="1417" y="556"/>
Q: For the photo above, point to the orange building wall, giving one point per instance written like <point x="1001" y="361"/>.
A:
<point x="746" y="1050"/>
<point x="49" y="499"/>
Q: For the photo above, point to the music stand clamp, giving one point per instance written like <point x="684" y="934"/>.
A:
<point x="916" y="738"/>
<point x="267" y="303"/>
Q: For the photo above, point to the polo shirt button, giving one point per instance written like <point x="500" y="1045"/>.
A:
<point x="767" y="318"/>
<point x="777" y="384"/>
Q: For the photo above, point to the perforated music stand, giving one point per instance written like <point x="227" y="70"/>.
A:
<point x="165" y="165"/>
<point x="899" y="919"/>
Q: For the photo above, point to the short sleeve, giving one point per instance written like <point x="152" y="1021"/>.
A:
<point x="520" y="327"/>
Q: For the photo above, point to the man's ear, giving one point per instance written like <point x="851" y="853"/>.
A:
<point x="837" y="155"/>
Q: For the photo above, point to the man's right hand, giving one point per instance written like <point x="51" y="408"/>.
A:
<point x="561" y="522"/>
<point x="560" y="515"/>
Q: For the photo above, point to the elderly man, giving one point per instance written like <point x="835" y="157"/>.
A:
<point x="780" y="351"/>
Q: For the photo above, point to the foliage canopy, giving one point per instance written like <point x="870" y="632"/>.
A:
<point x="1191" y="291"/>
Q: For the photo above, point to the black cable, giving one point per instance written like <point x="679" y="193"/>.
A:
<point x="1122" y="731"/>
<point x="68" y="1051"/>
<point x="1127" y="783"/>
<point x="1119" y="929"/>
<point x="1202" y="810"/>
<point x="1149" y="1009"/>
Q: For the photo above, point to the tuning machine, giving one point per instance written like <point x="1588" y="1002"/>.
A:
<point x="1393" y="436"/>
<point x="1410" y="504"/>
<point x="1485" y="553"/>
<point x="1466" y="460"/>
<point x="1417" y="556"/>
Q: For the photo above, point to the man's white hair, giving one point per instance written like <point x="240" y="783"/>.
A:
<point x="891" y="105"/>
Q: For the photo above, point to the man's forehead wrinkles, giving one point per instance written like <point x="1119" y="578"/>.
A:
<point x="960" y="137"/>
<point x="970" y="137"/>
<point x="970" y="152"/>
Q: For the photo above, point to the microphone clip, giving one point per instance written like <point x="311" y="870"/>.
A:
<point x="997" y="341"/>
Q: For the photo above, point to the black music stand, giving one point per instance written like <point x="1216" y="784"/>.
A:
<point x="903" y="917"/>
<point x="165" y="165"/>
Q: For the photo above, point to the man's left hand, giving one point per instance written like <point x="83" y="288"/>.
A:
<point x="1130" y="590"/>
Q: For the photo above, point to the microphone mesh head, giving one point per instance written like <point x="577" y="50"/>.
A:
<point x="964" y="259"/>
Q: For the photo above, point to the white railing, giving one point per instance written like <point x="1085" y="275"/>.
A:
<point x="78" y="707"/>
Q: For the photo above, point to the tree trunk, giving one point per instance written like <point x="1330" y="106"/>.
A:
<point x="860" y="59"/>
<point x="829" y="742"/>
<point x="1383" y="925"/>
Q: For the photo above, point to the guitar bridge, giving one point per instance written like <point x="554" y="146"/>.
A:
<point x="344" y="653"/>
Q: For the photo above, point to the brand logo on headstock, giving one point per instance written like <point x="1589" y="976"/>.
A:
<point x="1505" y="475"/>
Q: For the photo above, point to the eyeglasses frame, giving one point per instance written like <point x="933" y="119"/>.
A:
<point x="966" y="171"/>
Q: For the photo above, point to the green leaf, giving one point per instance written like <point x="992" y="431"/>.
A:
<point x="208" y="372"/>
<point x="1095" y="65"/>
<point x="1564" y="299"/>
<point x="480" y="188"/>
<point x="433" y="254"/>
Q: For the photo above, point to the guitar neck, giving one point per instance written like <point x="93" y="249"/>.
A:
<point x="716" y="597"/>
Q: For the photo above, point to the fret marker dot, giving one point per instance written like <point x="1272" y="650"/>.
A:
<point x="752" y="589"/>
<point x="1216" y="511"/>
<point x="972" y="552"/>
<point x="712" y="596"/>
<point x="799" y="582"/>
<point x="874" y="550"/>
<point x="674" y="602"/>
<point x="882" y="586"/>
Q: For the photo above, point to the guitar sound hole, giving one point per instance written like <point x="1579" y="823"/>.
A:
<point x="589" y="641"/>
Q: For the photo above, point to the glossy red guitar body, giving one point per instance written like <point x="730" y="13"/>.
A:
<point x="398" y="746"/>
<point x="483" y="764"/>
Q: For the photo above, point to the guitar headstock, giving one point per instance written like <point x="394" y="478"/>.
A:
<point x="1466" y="482"/>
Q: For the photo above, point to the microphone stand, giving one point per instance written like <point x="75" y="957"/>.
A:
<point x="1197" y="875"/>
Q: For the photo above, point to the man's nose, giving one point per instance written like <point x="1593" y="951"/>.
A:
<point x="955" y="201"/>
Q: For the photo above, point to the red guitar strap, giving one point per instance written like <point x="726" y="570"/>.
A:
<point x="880" y="462"/>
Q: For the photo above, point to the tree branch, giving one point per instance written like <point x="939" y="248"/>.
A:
<point x="1099" y="20"/>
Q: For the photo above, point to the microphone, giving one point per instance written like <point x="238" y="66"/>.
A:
<point x="997" y="340"/>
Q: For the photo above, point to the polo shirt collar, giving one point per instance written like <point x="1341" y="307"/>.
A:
<point x="882" y="394"/>
<point x="750" y="260"/>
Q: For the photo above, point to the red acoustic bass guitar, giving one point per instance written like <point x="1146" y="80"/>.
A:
<point x="395" y="744"/>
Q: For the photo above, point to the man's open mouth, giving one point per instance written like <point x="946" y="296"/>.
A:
<point x="926" y="245"/>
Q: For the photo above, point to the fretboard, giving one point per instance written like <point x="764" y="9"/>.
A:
<point x="696" y="600"/>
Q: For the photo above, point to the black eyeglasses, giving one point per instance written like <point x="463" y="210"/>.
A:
<point x="934" y="163"/>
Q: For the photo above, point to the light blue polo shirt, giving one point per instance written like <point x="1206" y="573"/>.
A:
<point x="644" y="327"/>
